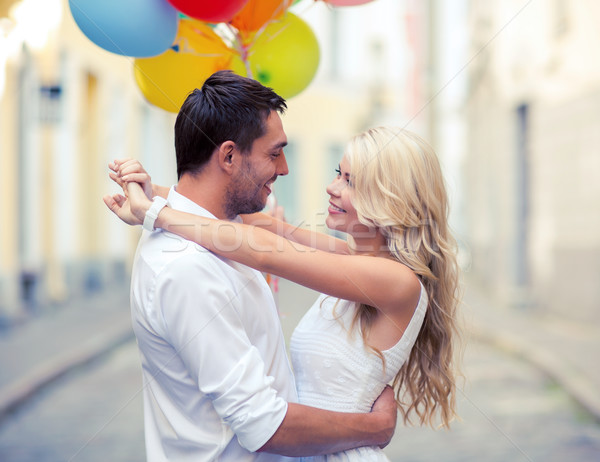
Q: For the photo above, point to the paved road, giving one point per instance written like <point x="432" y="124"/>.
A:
<point x="93" y="414"/>
<point x="510" y="412"/>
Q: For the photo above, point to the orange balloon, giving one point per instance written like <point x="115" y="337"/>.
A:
<point x="256" y="13"/>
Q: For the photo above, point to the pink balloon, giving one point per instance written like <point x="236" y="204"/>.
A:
<point x="347" y="2"/>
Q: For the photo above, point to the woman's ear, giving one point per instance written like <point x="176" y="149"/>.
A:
<point x="226" y="156"/>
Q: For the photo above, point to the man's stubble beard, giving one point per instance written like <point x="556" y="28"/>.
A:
<point x="243" y="196"/>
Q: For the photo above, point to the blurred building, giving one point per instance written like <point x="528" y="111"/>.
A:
<point x="67" y="108"/>
<point x="373" y="71"/>
<point x="534" y="154"/>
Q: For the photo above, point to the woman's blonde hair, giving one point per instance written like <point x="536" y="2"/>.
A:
<point x="398" y="188"/>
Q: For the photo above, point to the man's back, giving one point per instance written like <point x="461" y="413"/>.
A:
<point x="212" y="351"/>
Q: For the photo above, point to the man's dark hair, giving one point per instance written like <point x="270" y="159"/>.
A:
<point x="227" y="107"/>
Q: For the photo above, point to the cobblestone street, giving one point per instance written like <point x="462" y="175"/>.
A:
<point x="92" y="414"/>
<point x="510" y="412"/>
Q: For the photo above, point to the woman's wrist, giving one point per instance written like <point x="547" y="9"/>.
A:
<point x="161" y="219"/>
<point x="152" y="211"/>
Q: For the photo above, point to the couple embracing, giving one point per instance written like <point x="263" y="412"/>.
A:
<point x="217" y="383"/>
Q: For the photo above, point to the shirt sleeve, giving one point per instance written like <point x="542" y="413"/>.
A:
<point x="200" y="307"/>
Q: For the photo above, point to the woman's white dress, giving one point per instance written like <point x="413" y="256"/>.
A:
<point x="335" y="371"/>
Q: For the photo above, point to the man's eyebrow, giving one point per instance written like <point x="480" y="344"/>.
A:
<point x="283" y="144"/>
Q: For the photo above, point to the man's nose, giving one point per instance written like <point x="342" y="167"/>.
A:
<point x="282" y="168"/>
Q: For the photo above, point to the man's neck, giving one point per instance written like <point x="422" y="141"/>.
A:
<point x="207" y="193"/>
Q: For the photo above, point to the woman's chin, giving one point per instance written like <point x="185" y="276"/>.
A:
<point x="330" y="223"/>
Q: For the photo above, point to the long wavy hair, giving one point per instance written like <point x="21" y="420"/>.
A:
<point x="399" y="189"/>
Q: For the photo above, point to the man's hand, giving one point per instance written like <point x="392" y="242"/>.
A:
<point x="388" y="408"/>
<point x="128" y="170"/>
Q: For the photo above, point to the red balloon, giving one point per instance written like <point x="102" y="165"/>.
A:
<point x="347" y="2"/>
<point x="209" y="10"/>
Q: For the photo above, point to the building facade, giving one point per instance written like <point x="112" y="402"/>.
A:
<point x="533" y="112"/>
<point x="67" y="108"/>
<point x="372" y="68"/>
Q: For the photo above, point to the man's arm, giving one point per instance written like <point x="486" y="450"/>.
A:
<point x="307" y="431"/>
<point x="203" y="317"/>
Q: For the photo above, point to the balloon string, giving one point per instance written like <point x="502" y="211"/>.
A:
<point x="246" y="62"/>
<point x="245" y="49"/>
<point x="184" y="45"/>
<point x="267" y="22"/>
<point x="237" y="44"/>
<point x="272" y="37"/>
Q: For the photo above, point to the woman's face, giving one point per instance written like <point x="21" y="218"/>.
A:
<point x="342" y="214"/>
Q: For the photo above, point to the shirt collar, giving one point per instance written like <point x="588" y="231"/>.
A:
<point x="180" y="202"/>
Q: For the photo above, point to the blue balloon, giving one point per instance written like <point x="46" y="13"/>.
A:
<point x="139" y="28"/>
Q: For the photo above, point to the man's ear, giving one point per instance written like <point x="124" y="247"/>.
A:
<point x="227" y="153"/>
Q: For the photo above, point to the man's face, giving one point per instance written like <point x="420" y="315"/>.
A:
<point x="251" y="183"/>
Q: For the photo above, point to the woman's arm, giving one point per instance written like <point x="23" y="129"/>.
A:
<point x="379" y="282"/>
<point x="312" y="239"/>
<point x="126" y="170"/>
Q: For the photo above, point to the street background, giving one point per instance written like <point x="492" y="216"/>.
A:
<point x="510" y="409"/>
<point x="508" y="94"/>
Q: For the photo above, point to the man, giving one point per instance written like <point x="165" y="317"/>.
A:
<point x="217" y="381"/>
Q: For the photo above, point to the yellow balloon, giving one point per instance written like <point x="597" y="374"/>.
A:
<point x="239" y="67"/>
<point x="285" y="56"/>
<point x="166" y="80"/>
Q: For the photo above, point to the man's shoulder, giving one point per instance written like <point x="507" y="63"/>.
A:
<point x="164" y="251"/>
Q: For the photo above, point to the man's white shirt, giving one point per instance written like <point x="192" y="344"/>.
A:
<point x="216" y="377"/>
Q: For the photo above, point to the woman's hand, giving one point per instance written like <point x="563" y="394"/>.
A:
<point x="131" y="209"/>
<point x="128" y="170"/>
<point x="133" y="179"/>
<point x="274" y="209"/>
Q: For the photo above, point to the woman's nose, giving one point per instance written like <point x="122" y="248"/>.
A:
<point x="335" y="187"/>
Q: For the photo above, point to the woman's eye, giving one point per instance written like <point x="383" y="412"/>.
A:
<point x="338" y="171"/>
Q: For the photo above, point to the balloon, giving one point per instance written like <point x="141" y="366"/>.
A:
<point x="167" y="79"/>
<point x="257" y="13"/>
<point x="209" y="10"/>
<point x="285" y="56"/>
<point x="130" y="28"/>
<point x="347" y="2"/>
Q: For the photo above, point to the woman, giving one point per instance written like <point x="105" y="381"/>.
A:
<point x="387" y="313"/>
